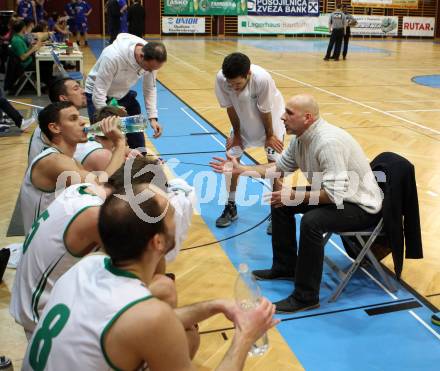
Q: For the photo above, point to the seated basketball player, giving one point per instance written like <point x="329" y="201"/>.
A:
<point x="112" y="319"/>
<point x="91" y="154"/>
<point x="63" y="126"/>
<point x="65" y="232"/>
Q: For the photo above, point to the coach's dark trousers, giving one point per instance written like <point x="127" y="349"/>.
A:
<point x="336" y="41"/>
<point x="131" y="105"/>
<point x="306" y="261"/>
<point x="346" y="41"/>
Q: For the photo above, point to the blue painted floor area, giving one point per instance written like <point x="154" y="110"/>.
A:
<point x="304" y="46"/>
<point x="336" y="336"/>
<point x="432" y="81"/>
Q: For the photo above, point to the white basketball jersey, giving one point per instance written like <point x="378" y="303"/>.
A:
<point x="83" y="305"/>
<point x="38" y="144"/>
<point x="45" y="255"/>
<point x="259" y="95"/>
<point x="33" y="200"/>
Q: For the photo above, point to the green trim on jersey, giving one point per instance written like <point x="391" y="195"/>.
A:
<point x="88" y="154"/>
<point x="32" y="167"/>
<point x="112" y="321"/>
<point x="68" y="225"/>
<point x="40" y="288"/>
<point x="117" y="271"/>
<point x="30" y="143"/>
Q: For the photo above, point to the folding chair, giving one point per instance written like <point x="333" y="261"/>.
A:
<point x="74" y="75"/>
<point x="26" y="77"/>
<point x="366" y="239"/>
<point x="14" y="69"/>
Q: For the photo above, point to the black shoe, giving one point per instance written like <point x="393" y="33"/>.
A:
<point x="344" y="57"/>
<point x="269" y="274"/>
<point x="326" y="59"/>
<point x="435" y="319"/>
<point x="291" y="305"/>
<point x="229" y="214"/>
<point x="336" y="59"/>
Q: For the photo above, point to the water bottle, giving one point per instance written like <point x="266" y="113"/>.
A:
<point x="247" y="296"/>
<point x="128" y="124"/>
<point x="235" y="151"/>
<point x="5" y="364"/>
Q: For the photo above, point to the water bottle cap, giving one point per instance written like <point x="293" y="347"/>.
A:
<point x="243" y="268"/>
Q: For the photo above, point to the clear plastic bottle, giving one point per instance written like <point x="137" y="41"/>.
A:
<point x="248" y="296"/>
<point x="128" y="124"/>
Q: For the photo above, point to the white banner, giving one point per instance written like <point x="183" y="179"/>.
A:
<point x="375" y="25"/>
<point x="183" y="24"/>
<point x="397" y="4"/>
<point x="283" y="25"/>
<point x="418" y="26"/>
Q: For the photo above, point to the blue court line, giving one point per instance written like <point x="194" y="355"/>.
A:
<point x="432" y="81"/>
<point x="349" y="340"/>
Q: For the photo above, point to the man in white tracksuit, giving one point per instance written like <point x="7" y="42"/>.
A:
<point x="118" y="68"/>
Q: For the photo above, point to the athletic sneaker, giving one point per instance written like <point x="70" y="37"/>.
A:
<point x="4" y="128"/>
<point x="25" y="123"/>
<point x="229" y="214"/>
<point x="436" y="319"/>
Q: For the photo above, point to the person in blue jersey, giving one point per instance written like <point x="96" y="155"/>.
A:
<point x="69" y="11"/>
<point x="39" y="10"/>
<point x="123" y="9"/>
<point x="26" y="10"/>
<point x="82" y="11"/>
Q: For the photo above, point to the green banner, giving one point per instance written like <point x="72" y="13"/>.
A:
<point x="205" y="7"/>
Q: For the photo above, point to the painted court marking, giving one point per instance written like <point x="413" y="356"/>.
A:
<point x="356" y="102"/>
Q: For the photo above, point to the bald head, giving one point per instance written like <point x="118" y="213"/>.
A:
<point x="301" y="112"/>
<point x="306" y="103"/>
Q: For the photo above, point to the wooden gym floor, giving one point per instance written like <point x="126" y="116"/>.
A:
<point x="371" y="95"/>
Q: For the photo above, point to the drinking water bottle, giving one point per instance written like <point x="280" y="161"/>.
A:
<point x="128" y="124"/>
<point x="248" y="296"/>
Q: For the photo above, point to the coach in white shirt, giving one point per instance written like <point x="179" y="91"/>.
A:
<point x="118" y="68"/>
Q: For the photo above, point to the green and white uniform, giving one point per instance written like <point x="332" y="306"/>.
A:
<point x="34" y="200"/>
<point x="84" y="304"/>
<point x="37" y="144"/>
<point x="45" y="254"/>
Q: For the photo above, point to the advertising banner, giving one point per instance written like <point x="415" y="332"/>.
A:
<point x="283" y="25"/>
<point x="418" y="26"/>
<point x="283" y="7"/>
<point x="375" y="25"/>
<point x="205" y="7"/>
<point x="398" y="4"/>
<point x="183" y="25"/>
